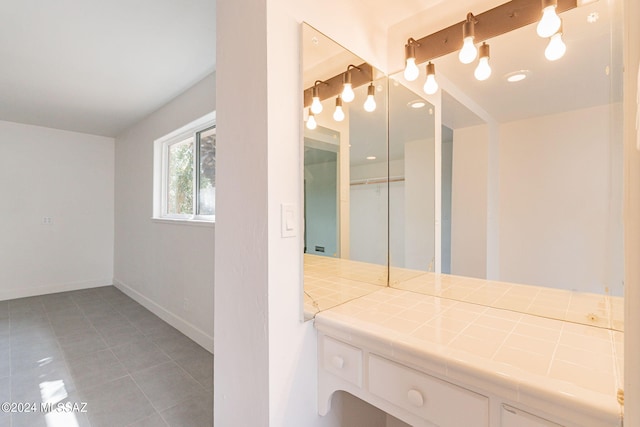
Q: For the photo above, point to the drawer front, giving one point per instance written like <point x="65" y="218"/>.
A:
<point x="512" y="417"/>
<point x="342" y="360"/>
<point x="432" y="399"/>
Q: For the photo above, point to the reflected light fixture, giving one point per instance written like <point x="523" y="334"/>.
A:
<point x="316" y="105"/>
<point x="550" y="22"/>
<point x="431" y="85"/>
<point x="469" y="52"/>
<point x="517" y="76"/>
<point x="370" y="102"/>
<point x="338" y="114"/>
<point x="347" y="92"/>
<point x="411" y="70"/>
<point x="311" y="121"/>
<point x="417" y="104"/>
<point x="556" y="47"/>
<point x="483" y="70"/>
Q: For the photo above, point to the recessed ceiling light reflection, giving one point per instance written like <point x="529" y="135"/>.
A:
<point x="417" y="104"/>
<point x="371" y="157"/>
<point x="517" y="76"/>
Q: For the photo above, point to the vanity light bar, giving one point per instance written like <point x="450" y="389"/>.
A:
<point x="360" y="75"/>
<point x="494" y="22"/>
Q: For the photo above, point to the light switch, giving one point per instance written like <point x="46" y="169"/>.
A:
<point x="289" y="220"/>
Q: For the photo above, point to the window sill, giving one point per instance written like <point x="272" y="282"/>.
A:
<point x="189" y="222"/>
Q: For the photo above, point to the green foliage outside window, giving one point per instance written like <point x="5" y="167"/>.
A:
<point x="180" y="184"/>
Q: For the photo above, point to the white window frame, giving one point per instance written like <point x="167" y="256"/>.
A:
<point x="160" y="170"/>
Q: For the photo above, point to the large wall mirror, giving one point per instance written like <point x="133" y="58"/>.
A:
<point x="531" y="175"/>
<point x="412" y="241"/>
<point x="505" y="192"/>
<point x="346" y="195"/>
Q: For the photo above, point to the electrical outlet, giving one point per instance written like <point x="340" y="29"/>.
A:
<point x="47" y="220"/>
<point x="186" y="304"/>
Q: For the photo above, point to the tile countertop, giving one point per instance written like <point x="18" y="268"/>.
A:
<point x="529" y="359"/>
<point x="329" y="282"/>
<point x="578" y="307"/>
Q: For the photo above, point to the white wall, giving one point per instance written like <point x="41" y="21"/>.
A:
<point x="469" y="202"/>
<point x="266" y="361"/>
<point x="68" y="177"/>
<point x="157" y="263"/>
<point x="560" y="201"/>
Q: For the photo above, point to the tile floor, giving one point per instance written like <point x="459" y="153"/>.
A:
<point x="99" y="347"/>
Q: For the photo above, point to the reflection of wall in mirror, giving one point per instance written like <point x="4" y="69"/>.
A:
<point x="469" y="202"/>
<point x="321" y="211"/>
<point x="560" y="202"/>
<point x="369" y="202"/>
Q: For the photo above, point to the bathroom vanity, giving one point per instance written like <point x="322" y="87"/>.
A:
<point x="433" y="361"/>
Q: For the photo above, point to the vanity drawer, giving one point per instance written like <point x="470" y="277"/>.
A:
<point x="342" y="360"/>
<point x="512" y="417"/>
<point x="434" y="400"/>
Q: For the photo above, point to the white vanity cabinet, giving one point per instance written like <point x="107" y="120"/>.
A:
<point x="412" y="396"/>
<point x="429" y="381"/>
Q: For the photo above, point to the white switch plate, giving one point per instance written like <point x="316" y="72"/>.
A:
<point x="289" y="220"/>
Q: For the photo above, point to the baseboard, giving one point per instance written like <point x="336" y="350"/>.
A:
<point x="193" y="332"/>
<point x="52" y="289"/>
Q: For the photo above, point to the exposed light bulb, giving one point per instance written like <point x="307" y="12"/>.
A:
<point x="338" y="114"/>
<point x="431" y="85"/>
<point x="311" y="122"/>
<point x="469" y="52"/>
<point x="370" y="102"/>
<point x="347" y="93"/>
<point x="347" y="89"/>
<point x="411" y="71"/>
<point x="316" y="105"/>
<point x="550" y="22"/>
<point x="556" y="47"/>
<point x="483" y="70"/>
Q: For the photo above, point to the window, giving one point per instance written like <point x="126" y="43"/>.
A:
<point x="185" y="172"/>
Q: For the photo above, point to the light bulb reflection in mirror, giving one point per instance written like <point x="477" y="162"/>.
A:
<point x="556" y="48"/>
<point x="431" y="85"/>
<point x="370" y="103"/>
<point x="338" y="114"/>
<point x="550" y="22"/>
<point x="483" y="70"/>
<point x="316" y="105"/>
<point x="311" y="122"/>
<point x="347" y="93"/>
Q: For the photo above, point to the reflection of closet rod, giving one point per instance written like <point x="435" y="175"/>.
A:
<point x="382" y="180"/>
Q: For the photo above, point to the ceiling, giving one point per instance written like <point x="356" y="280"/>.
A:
<point x="100" y="66"/>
